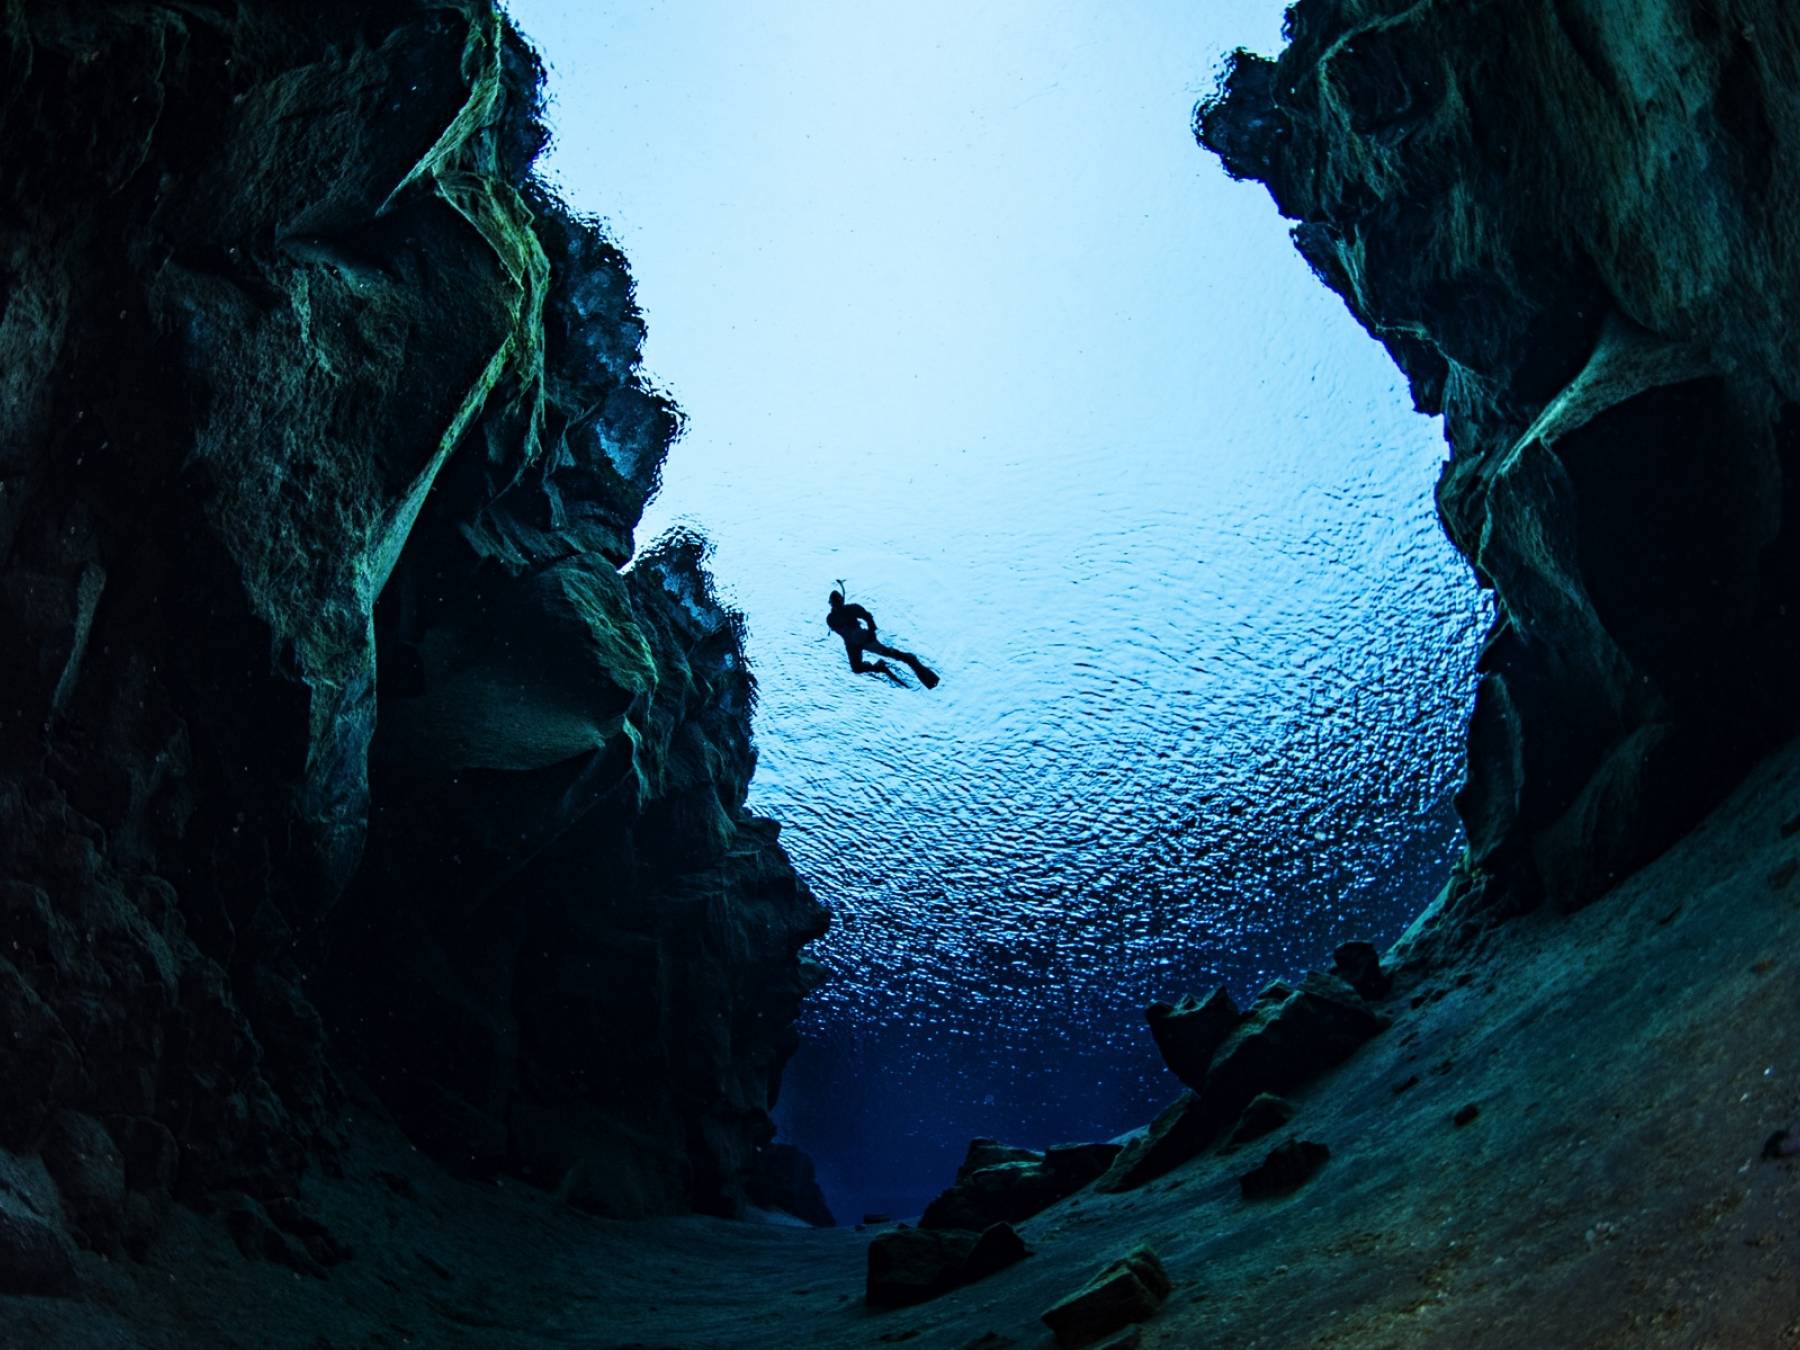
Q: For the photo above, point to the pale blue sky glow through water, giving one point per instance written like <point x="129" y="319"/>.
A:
<point x="959" y="312"/>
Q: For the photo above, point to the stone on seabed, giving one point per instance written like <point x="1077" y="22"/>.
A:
<point x="1130" y="1290"/>
<point x="1022" y="1184"/>
<point x="914" y="1265"/>
<point x="1188" y="1031"/>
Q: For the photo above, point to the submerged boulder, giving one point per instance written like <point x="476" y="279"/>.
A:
<point x="1358" y="965"/>
<point x="36" y="1255"/>
<point x="1188" y="1031"/>
<point x="991" y="1153"/>
<point x="1182" y="1130"/>
<point x="1025" y="1183"/>
<point x="1290" y="1037"/>
<point x="1265" y="1114"/>
<point x="90" y="1177"/>
<point x="1288" y="1041"/>
<point x="1129" y="1290"/>
<point x="912" y="1265"/>
<point x="1272" y="992"/>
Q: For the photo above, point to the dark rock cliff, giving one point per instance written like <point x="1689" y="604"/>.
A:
<point x="334" y="732"/>
<point x="1572" y="224"/>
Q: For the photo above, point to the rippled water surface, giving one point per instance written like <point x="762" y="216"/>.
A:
<point x="961" y="315"/>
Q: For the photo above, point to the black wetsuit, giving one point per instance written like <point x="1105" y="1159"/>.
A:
<point x="856" y="626"/>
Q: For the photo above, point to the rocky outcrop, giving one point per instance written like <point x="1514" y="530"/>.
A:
<point x="1128" y="1291"/>
<point x="914" y="1265"/>
<point x="998" y="1183"/>
<point x="559" y="874"/>
<point x="1569" y="223"/>
<point x="1290" y="1037"/>
<point x="328" y="696"/>
<point x="1188" y="1031"/>
<point x="784" y="1179"/>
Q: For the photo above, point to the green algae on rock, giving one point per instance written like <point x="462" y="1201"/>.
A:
<point x="1572" y="225"/>
<point x="330" y="698"/>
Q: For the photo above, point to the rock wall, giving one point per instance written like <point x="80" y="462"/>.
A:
<point x="326" y="696"/>
<point x="1572" y="224"/>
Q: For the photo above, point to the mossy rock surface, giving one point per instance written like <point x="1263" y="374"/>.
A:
<point x="337" y="739"/>
<point x="1572" y="226"/>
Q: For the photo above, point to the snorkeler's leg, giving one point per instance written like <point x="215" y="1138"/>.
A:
<point x="862" y="667"/>
<point x="926" y="675"/>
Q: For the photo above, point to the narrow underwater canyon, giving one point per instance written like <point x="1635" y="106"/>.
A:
<point x="375" y="973"/>
<point x="1202" y="720"/>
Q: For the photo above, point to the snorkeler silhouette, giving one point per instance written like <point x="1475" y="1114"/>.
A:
<point x="856" y="626"/>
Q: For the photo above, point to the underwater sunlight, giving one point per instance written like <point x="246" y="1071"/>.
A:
<point x="960" y="315"/>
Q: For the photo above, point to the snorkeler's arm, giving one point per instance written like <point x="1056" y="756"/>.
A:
<point x="858" y="612"/>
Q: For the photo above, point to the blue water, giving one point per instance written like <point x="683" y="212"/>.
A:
<point x="960" y="314"/>
<point x="1194" y="728"/>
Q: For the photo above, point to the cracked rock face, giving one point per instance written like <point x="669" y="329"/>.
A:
<point x="1572" y="225"/>
<point x="334" y="730"/>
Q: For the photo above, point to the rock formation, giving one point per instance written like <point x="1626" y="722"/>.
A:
<point x="915" y="1265"/>
<point x="998" y="1183"/>
<point x="1188" y="1032"/>
<point x="1571" y="224"/>
<point x="1289" y="1038"/>
<point x="1128" y="1291"/>
<point x="336" y="732"/>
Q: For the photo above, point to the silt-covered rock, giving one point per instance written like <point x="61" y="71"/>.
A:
<point x="1290" y="1037"/>
<point x="914" y="1265"/>
<point x="1021" y="1183"/>
<point x="1129" y="1290"/>
<point x="1188" y="1031"/>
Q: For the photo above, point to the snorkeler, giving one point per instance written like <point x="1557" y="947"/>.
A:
<point x="856" y="626"/>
